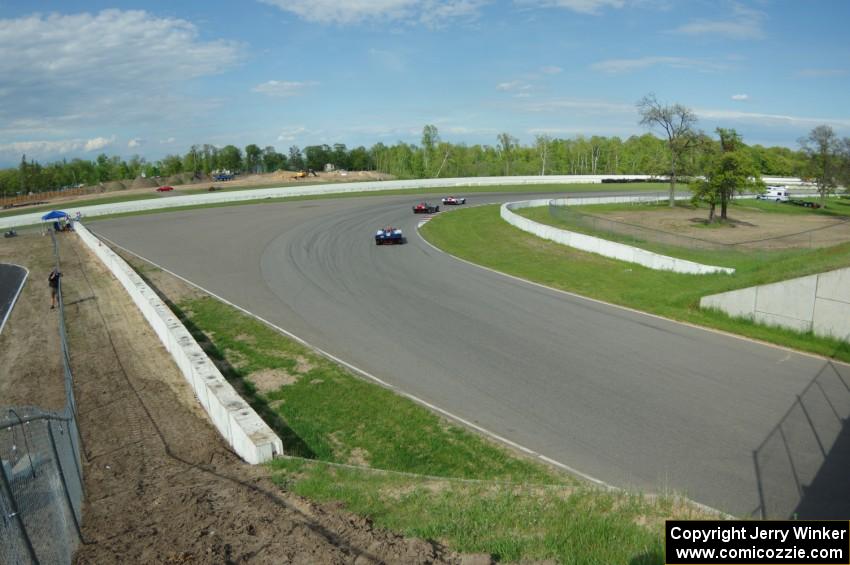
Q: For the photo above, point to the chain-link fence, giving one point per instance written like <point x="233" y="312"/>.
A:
<point x="41" y="478"/>
<point x="835" y="233"/>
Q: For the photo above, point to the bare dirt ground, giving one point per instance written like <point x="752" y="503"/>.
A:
<point x="161" y="486"/>
<point x="30" y="356"/>
<point x="786" y="230"/>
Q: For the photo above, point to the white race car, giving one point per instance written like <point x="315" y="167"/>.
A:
<point x="453" y="201"/>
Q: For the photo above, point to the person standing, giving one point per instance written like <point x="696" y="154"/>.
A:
<point x="53" y="281"/>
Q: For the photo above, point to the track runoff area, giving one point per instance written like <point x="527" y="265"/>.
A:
<point x="630" y="399"/>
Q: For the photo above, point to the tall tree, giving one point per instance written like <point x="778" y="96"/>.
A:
<point x="678" y="124"/>
<point x="543" y="142"/>
<point x="230" y="158"/>
<point x="822" y="147"/>
<point x="507" y="144"/>
<point x="253" y="158"/>
<point x="730" y="172"/>
<point x="296" y="160"/>
<point x="430" y="139"/>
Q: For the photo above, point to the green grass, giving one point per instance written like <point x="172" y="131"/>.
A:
<point x="510" y="522"/>
<point x="338" y="417"/>
<point x="436" y="480"/>
<point x="481" y="236"/>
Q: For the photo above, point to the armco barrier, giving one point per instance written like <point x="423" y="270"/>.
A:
<point x="598" y="245"/>
<point x="236" y="421"/>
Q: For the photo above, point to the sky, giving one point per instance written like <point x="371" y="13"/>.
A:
<point x="79" y="78"/>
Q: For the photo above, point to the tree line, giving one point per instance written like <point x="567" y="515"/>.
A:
<point x="687" y="153"/>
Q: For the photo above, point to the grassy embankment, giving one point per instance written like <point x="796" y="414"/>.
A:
<point x="117" y="197"/>
<point x="388" y="458"/>
<point x="479" y="235"/>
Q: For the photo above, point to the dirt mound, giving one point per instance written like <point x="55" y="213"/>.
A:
<point x="143" y="182"/>
<point x="113" y="185"/>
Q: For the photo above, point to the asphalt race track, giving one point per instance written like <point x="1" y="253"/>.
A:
<point x="11" y="279"/>
<point x="627" y="398"/>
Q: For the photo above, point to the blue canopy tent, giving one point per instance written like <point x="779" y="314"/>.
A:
<point x="56" y="216"/>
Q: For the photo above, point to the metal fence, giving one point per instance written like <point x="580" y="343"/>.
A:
<point x="624" y="232"/>
<point x="41" y="476"/>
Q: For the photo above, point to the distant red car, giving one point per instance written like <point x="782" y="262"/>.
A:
<point x="425" y="208"/>
<point x="165" y="189"/>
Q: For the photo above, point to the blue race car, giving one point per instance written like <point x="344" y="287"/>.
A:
<point x="389" y="236"/>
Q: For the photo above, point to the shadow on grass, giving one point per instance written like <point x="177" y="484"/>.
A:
<point x="292" y="443"/>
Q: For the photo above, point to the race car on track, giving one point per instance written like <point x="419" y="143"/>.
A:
<point x="453" y="201"/>
<point x="389" y="236"/>
<point x="425" y="208"/>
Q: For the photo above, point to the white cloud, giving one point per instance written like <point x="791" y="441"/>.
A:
<point x="167" y="141"/>
<point x="551" y="70"/>
<point x="291" y="133"/>
<point x="616" y="66"/>
<point x="740" y="97"/>
<point x="282" y="89"/>
<point x="98" y="143"/>
<point x="101" y="70"/>
<point x="591" y="7"/>
<point x="42" y="149"/>
<point x="771" y="120"/>
<point x="135" y="142"/>
<point x="581" y="106"/>
<point x="347" y="12"/>
<point x="745" y="23"/>
<point x="821" y="73"/>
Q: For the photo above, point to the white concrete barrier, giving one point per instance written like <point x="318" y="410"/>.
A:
<point x="598" y="245"/>
<point x="817" y="303"/>
<point x="249" y="194"/>
<point x="238" y="423"/>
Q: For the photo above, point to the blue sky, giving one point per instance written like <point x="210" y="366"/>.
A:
<point x="152" y="78"/>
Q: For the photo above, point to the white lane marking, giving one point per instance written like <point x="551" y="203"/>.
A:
<point x="788" y="350"/>
<point x="17" y="294"/>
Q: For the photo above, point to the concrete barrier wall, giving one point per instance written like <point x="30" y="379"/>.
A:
<point x="248" y="194"/>
<point x="817" y="303"/>
<point x="598" y="245"/>
<point x="248" y="435"/>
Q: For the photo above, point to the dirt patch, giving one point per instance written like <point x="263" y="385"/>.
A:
<point x="270" y="380"/>
<point x="358" y="456"/>
<point x="161" y="486"/>
<point x="747" y="228"/>
<point x="30" y="354"/>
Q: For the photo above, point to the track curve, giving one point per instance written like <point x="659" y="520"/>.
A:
<point x="632" y="399"/>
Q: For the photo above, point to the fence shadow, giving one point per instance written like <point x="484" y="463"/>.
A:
<point x="802" y="467"/>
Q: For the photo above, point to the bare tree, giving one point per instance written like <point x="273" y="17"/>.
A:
<point x="678" y="123"/>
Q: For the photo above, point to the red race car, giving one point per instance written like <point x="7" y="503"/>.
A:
<point x="165" y="189"/>
<point x="425" y="208"/>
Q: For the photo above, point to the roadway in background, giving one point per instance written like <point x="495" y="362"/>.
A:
<point x="631" y="399"/>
